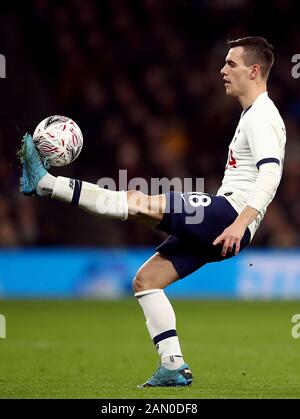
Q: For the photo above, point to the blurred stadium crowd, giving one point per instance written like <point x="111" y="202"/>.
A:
<point x="142" y="80"/>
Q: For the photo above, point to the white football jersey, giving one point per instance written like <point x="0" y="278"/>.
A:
<point x="259" y="139"/>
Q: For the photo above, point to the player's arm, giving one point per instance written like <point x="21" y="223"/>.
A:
<point x="233" y="234"/>
<point x="264" y="147"/>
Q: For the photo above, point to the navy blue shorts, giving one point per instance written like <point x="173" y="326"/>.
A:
<point x="194" y="220"/>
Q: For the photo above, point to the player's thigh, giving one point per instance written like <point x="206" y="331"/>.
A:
<point x="196" y="217"/>
<point x="156" y="272"/>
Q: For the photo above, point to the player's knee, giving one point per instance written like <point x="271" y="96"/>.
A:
<point x="137" y="283"/>
<point x="137" y="202"/>
<point x="141" y="282"/>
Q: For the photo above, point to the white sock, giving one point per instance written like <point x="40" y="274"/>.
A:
<point x="161" y="324"/>
<point x="46" y="185"/>
<point x="172" y="362"/>
<point x="91" y="198"/>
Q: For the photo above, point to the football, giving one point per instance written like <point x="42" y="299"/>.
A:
<point x="58" y="140"/>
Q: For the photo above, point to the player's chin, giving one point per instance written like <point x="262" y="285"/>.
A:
<point x="229" y="91"/>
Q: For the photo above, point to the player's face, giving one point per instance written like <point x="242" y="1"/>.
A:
<point x="236" y="73"/>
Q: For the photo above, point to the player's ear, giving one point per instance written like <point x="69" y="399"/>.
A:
<point x="255" y="69"/>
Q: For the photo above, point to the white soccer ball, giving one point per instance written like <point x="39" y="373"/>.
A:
<point x="58" y="140"/>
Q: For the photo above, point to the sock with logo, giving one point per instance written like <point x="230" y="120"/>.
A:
<point x="46" y="185"/>
<point x="87" y="196"/>
<point x="161" y="324"/>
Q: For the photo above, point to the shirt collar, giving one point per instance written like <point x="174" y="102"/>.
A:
<point x="258" y="99"/>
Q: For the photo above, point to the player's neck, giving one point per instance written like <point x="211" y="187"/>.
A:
<point x="247" y="100"/>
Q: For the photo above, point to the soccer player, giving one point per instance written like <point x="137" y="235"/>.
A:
<point x="227" y="220"/>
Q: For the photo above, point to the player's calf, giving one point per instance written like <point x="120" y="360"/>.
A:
<point x="91" y="198"/>
<point x="113" y="204"/>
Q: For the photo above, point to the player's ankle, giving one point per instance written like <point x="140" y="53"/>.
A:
<point x="172" y="362"/>
<point x="46" y="185"/>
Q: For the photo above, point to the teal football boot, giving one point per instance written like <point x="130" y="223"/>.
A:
<point x="170" y="378"/>
<point x="33" y="169"/>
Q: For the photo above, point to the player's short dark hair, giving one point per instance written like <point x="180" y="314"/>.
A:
<point x="257" y="50"/>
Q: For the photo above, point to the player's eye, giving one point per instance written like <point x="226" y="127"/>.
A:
<point x="231" y="63"/>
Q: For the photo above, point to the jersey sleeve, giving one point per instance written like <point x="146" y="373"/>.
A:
<point x="265" y="187"/>
<point x="263" y="141"/>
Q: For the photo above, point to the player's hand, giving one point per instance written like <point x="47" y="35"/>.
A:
<point x="231" y="237"/>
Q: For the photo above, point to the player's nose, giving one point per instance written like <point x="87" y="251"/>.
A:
<point x="222" y="71"/>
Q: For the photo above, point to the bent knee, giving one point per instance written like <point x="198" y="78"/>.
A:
<point x="138" y="283"/>
<point x="142" y="282"/>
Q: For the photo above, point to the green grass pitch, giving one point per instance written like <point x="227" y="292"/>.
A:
<point x="101" y="349"/>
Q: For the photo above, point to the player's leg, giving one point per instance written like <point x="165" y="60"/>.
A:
<point x="146" y="208"/>
<point x="187" y="249"/>
<point x="90" y="197"/>
<point x="153" y="276"/>
<point x="157" y="273"/>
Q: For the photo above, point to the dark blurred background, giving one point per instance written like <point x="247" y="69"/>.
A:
<point x="141" y="78"/>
